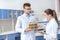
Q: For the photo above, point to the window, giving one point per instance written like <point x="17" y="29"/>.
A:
<point x="0" y="14"/>
<point x="8" y="19"/>
<point x="5" y="14"/>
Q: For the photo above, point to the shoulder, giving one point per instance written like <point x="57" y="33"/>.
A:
<point x="53" y="22"/>
<point x="19" y="17"/>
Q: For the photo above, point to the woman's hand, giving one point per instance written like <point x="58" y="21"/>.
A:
<point x="39" y="25"/>
<point x="43" y="32"/>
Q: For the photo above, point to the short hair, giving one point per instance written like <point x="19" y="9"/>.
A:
<point x="26" y="4"/>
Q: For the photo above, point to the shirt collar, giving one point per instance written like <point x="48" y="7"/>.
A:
<point x="27" y="15"/>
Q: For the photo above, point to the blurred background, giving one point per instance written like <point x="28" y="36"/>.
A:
<point x="11" y="9"/>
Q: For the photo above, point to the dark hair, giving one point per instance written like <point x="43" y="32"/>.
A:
<point x="52" y="13"/>
<point x="26" y="4"/>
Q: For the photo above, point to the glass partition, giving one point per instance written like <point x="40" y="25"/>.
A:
<point x="8" y="19"/>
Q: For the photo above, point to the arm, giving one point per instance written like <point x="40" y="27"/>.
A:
<point x="27" y="30"/>
<point x="42" y="27"/>
<point x="18" y="26"/>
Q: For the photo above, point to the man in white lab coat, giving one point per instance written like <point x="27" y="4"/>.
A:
<point x="22" y="24"/>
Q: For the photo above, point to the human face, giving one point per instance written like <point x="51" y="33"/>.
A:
<point x="47" y="16"/>
<point x="27" y="9"/>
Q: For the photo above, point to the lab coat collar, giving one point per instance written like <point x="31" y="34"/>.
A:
<point x="51" y="19"/>
<point x="27" y="15"/>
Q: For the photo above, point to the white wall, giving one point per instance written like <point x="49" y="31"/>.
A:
<point x="9" y="4"/>
<point x="40" y="5"/>
<point x="37" y="5"/>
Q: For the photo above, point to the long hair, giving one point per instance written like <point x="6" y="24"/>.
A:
<point x="52" y="13"/>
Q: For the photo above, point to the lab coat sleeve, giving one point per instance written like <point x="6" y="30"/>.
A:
<point x="44" y="26"/>
<point x="18" y="26"/>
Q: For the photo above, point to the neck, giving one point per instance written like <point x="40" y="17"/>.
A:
<point x="50" y="18"/>
<point x="27" y="13"/>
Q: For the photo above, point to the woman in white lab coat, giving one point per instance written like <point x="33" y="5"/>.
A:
<point x="52" y="26"/>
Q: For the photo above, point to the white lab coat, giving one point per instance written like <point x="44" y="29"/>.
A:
<point x="51" y="30"/>
<point x="22" y="24"/>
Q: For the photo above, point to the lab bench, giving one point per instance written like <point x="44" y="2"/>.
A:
<point x="12" y="35"/>
<point x="16" y="36"/>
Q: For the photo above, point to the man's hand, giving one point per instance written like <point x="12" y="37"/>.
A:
<point x="27" y="30"/>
